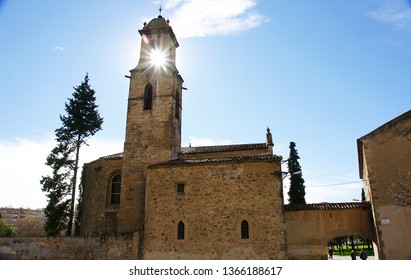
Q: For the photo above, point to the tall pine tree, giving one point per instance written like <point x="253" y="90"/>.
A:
<point x="82" y="120"/>
<point x="296" y="194"/>
<point x="58" y="188"/>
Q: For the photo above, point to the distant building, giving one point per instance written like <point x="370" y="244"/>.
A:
<point x="13" y="215"/>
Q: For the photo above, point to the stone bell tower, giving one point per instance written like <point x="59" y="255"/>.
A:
<point x="153" y="128"/>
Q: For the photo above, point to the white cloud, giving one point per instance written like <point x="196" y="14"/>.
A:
<point x="395" y="12"/>
<point x="23" y="164"/>
<point x="170" y="4"/>
<point x="199" y="18"/>
<point x="57" y="48"/>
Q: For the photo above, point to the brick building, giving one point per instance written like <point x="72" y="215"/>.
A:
<point x="13" y="215"/>
<point x="214" y="202"/>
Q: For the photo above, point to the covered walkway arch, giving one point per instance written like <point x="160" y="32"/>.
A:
<point x="311" y="226"/>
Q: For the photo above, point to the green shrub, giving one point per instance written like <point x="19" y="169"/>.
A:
<point x="7" y="229"/>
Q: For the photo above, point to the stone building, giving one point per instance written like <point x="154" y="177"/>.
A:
<point x="212" y="202"/>
<point x="226" y="202"/>
<point x="385" y="166"/>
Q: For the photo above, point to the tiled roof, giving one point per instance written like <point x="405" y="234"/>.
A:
<point x="113" y="156"/>
<point x="222" y="148"/>
<point x="215" y="160"/>
<point x="206" y="149"/>
<point x="327" y="206"/>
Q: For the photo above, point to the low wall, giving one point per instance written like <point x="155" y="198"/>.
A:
<point x="307" y="252"/>
<point x="69" y="248"/>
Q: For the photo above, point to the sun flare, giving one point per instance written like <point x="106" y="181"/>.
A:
<point x="158" y="58"/>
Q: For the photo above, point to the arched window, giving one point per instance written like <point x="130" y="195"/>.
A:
<point x="245" y="232"/>
<point x="115" y="190"/>
<point x="180" y="230"/>
<point x="148" y="97"/>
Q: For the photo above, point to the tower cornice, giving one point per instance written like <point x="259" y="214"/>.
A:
<point x="157" y="26"/>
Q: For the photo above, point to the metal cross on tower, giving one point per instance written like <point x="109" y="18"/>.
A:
<point x="160" y="9"/>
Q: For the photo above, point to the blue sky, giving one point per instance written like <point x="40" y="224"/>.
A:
<point x="319" y="73"/>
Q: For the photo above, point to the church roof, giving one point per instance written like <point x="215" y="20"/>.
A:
<point x="158" y="22"/>
<point x="222" y="148"/>
<point x="327" y="206"/>
<point x="177" y="162"/>
<point x="113" y="156"/>
<point x="210" y="149"/>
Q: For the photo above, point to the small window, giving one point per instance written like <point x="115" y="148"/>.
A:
<point x="180" y="231"/>
<point x="180" y="188"/>
<point x="177" y="113"/>
<point x="115" y="190"/>
<point x="245" y="233"/>
<point x="148" y="97"/>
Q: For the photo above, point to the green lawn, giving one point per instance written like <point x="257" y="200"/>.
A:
<point x="346" y="250"/>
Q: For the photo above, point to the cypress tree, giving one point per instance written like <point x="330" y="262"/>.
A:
<point x="362" y="195"/>
<point x="296" y="193"/>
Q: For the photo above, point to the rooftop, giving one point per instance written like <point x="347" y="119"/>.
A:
<point x="327" y="206"/>
<point x="216" y="160"/>
<point x="157" y="22"/>
<point x="206" y="149"/>
<point x="222" y="148"/>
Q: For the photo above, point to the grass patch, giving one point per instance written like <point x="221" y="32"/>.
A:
<point x="346" y="250"/>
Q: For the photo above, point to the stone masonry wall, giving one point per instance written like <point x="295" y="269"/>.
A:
<point x="69" y="248"/>
<point x="216" y="199"/>
<point x="98" y="216"/>
<point x="387" y="155"/>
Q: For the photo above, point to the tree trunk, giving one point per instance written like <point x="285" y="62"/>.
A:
<point x="73" y="191"/>
<point x="352" y="242"/>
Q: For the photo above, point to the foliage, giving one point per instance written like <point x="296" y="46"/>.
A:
<point x="400" y="188"/>
<point x="58" y="187"/>
<point x="297" y="189"/>
<point x="7" y="229"/>
<point x="343" y="245"/>
<point x="30" y="227"/>
<point x="362" y="195"/>
<point x="81" y="122"/>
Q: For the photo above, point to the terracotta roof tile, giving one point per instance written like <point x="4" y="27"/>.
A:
<point x="327" y="206"/>
<point x="205" y="149"/>
<point x="222" y="148"/>
<point x="113" y="156"/>
<point x="216" y="160"/>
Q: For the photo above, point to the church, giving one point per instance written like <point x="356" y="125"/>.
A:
<point x="207" y="202"/>
<point x="226" y="201"/>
